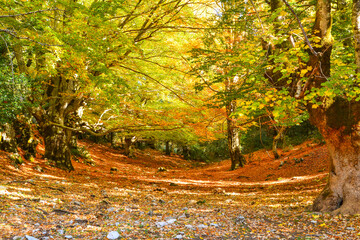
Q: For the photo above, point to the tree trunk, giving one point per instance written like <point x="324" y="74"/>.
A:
<point x="57" y="147"/>
<point x="338" y="125"/>
<point x="168" y="148"/>
<point x="25" y="136"/>
<point x="237" y="159"/>
<point x="62" y="104"/>
<point x="356" y="26"/>
<point x="7" y="138"/>
<point x="337" y="120"/>
<point x="279" y="136"/>
<point x="186" y="152"/>
<point x="129" y="151"/>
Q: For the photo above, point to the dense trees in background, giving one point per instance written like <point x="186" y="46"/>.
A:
<point x="184" y="72"/>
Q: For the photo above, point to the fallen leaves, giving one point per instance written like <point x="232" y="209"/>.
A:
<point x="94" y="204"/>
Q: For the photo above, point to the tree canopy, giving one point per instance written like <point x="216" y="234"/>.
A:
<point x="177" y="70"/>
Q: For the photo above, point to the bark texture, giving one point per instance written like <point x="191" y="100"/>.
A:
<point x="7" y="138"/>
<point x="339" y="126"/>
<point x="356" y="27"/>
<point x="338" y="121"/>
<point x="237" y="159"/>
<point x="279" y="136"/>
<point x="62" y="104"/>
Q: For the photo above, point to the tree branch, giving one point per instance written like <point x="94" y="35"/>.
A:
<point x="14" y="34"/>
<point x="302" y="29"/>
<point x="29" y="13"/>
<point x="116" y="129"/>
<point x="158" y="82"/>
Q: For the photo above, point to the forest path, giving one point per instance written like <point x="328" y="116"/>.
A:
<point x="266" y="199"/>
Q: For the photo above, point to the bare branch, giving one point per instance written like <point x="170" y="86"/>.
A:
<point x="158" y="82"/>
<point x="14" y="34"/>
<point x="116" y="129"/>
<point x="302" y="29"/>
<point x="258" y="16"/>
<point x="29" y="13"/>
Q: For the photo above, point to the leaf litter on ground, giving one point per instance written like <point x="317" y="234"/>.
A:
<point x="138" y="202"/>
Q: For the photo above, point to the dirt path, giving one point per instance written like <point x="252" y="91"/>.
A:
<point x="267" y="199"/>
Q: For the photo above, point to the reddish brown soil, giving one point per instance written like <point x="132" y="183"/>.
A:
<point x="273" y="196"/>
<point x="143" y="169"/>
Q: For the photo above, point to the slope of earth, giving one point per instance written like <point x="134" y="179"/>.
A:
<point x="153" y="196"/>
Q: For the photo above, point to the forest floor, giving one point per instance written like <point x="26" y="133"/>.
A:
<point x="152" y="196"/>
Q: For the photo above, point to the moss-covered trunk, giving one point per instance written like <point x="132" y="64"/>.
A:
<point x="57" y="147"/>
<point x="62" y="105"/>
<point x="7" y="138"/>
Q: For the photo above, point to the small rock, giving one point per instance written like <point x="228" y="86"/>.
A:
<point x="240" y="219"/>
<point x="30" y="238"/>
<point x="190" y="227"/>
<point x="214" y="225"/>
<point x="113" y="235"/>
<point x="61" y="231"/>
<point x="192" y="202"/>
<point x="200" y="226"/>
<point x="16" y="238"/>
<point x="182" y="216"/>
<point x="68" y="236"/>
<point x="77" y="203"/>
<point x="185" y="208"/>
<point x="161" y="224"/>
<point x="179" y="236"/>
<point x="110" y="209"/>
<point x="228" y="200"/>
<point x="313" y="221"/>
<point x="350" y="228"/>
<point x="171" y="221"/>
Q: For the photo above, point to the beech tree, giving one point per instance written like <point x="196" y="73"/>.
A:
<point x="328" y="89"/>
<point x="94" y="58"/>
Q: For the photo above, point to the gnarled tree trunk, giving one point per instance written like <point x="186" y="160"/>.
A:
<point x="338" y="121"/>
<point x="57" y="148"/>
<point x="63" y="102"/>
<point x="339" y="126"/>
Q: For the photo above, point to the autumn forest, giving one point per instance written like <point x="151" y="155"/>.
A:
<point x="179" y="119"/>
